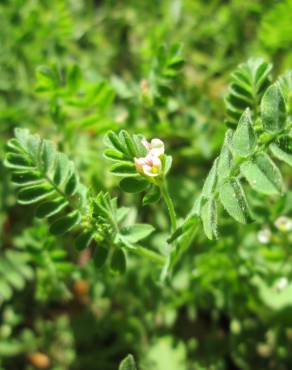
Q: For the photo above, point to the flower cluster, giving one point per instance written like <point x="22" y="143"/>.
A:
<point x="151" y="164"/>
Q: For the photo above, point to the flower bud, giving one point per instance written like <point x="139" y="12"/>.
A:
<point x="157" y="147"/>
<point x="282" y="283"/>
<point x="283" y="224"/>
<point x="264" y="236"/>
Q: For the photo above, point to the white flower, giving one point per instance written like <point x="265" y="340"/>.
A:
<point x="155" y="147"/>
<point x="264" y="236"/>
<point x="149" y="165"/>
<point x="283" y="224"/>
<point x="282" y="283"/>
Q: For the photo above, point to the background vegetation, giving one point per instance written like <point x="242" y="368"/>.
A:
<point x="71" y="71"/>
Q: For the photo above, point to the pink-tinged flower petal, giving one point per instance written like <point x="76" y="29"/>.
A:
<point x="149" y="160"/>
<point x="151" y="164"/>
<point x="139" y="163"/>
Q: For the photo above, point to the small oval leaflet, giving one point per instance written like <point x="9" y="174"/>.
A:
<point x="83" y="240"/>
<point x="34" y="193"/>
<point x="273" y="110"/>
<point x="152" y="196"/>
<point x="128" y="363"/>
<point x="66" y="223"/>
<point x="100" y="256"/>
<point x="282" y="153"/>
<point x="210" y="181"/>
<point x="263" y="175"/>
<point x="50" y="208"/>
<point x="133" y="185"/>
<point x="234" y="201"/>
<point x="124" y="169"/>
<point x="244" y="138"/>
<point x="118" y="261"/>
<point x="209" y="218"/>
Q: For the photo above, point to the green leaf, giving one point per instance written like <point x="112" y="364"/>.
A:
<point x="124" y="169"/>
<point x="249" y="82"/>
<point x="115" y="142"/>
<point x="263" y="175"/>
<point x="273" y="110"/>
<point x="118" y="261"/>
<point x="122" y="213"/>
<point x="26" y="178"/>
<point x="152" y="196"/>
<point x="285" y="84"/>
<point x="65" y="223"/>
<point x="234" y="201"/>
<point x="196" y="209"/>
<point x="18" y="162"/>
<point x="62" y="168"/>
<point x="33" y="145"/>
<point x="225" y="158"/>
<point x="244" y="138"/>
<point x="34" y="194"/>
<point x="13" y="145"/>
<point x="100" y="256"/>
<point x="209" y="218"/>
<point x="283" y="150"/>
<point x="190" y="223"/>
<point x="141" y="150"/>
<point x="44" y="175"/>
<point x="72" y="184"/>
<point x="128" y="143"/>
<point x="136" y="232"/>
<point x="133" y="185"/>
<point x="128" y="363"/>
<point x="48" y="155"/>
<point x="114" y="155"/>
<point x="83" y="240"/>
<point x="22" y="135"/>
<point x="167" y="162"/>
<point x="50" y="208"/>
<point x="210" y="181"/>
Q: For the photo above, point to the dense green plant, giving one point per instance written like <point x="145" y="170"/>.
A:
<point x="114" y="238"/>
<point x="46" y="176"/>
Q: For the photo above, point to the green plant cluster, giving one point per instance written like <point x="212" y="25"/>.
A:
<point x="145" y="194"/>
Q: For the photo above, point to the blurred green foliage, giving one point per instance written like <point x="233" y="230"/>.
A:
<point x="71" y="70"/>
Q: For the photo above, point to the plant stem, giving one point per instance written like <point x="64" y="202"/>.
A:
<point x="169" y="204"/>
<point x="151" y="255"/>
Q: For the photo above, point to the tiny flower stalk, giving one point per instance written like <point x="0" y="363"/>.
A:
<point x="154" y="166"/>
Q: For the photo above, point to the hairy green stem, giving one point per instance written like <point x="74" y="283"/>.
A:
<point x="170" y="207"/>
